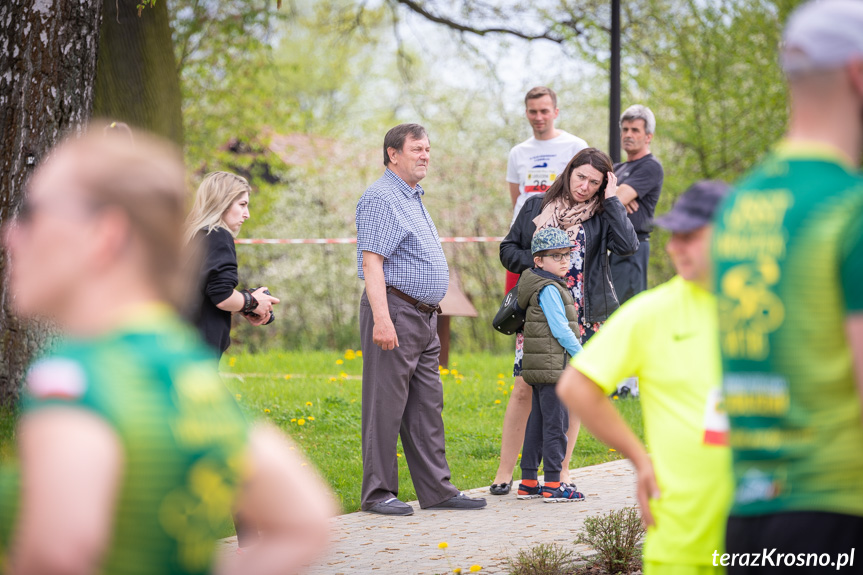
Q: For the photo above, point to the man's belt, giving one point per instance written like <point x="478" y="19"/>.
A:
<point x="423" y="307"/>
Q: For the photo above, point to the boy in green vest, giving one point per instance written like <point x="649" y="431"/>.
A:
<point x="549" y="344"/>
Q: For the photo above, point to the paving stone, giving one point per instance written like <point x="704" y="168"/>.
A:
<point x="368" y="543"/>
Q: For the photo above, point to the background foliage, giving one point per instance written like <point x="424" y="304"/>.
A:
<point x="298" y="99"/>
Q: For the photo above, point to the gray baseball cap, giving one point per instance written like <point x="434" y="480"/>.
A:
<point x="695" y="207"/>
<point x="822" y="35"/>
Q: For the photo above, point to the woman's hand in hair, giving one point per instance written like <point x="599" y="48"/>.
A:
<point x="611" y="186"/>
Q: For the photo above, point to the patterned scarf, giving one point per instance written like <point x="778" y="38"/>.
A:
<point x="568" y="218"/>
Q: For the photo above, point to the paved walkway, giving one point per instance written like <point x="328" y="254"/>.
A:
<point x="367" y="543"/>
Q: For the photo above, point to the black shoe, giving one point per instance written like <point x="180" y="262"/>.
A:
<point x="391" y="506"/>
<point x="500" y="488"/>
<point x="461" y="501"/>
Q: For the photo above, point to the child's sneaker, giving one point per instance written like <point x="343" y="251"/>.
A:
<point x="562" y="494"/>
<point x="525" y="492"/>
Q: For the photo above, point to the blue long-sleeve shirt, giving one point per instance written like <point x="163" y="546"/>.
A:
<point x="552" y="306"/>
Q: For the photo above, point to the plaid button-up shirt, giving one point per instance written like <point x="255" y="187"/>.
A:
<point x="392" y="222"/>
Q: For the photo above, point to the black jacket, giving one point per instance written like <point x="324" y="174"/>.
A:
<point x="217" y="281"/>
<point x="608" y="230"/>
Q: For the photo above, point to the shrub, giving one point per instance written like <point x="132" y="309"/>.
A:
<point x="545" y="559"/>
<point x="615" y="536"/>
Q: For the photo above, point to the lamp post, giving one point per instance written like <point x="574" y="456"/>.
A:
<point x="614" y="95"/>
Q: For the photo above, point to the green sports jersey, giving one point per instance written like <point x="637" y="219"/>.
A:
<point x="182" y="434"/>
<point x="788" y="251"/>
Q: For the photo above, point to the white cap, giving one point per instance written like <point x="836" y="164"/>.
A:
<point x="822" y="35"/>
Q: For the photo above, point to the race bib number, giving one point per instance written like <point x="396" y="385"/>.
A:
<point x="715" y="419"/>
<point x="539" y="180"/>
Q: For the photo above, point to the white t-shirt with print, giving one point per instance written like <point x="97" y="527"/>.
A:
<point x="535" y="164"/>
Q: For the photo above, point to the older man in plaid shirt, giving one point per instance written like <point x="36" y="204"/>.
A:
<point x="399" y="256"/>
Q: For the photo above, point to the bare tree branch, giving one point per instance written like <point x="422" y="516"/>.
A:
<point x="419" y="8"/>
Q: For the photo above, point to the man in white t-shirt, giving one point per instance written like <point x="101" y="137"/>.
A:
<point x="534" y="164"/>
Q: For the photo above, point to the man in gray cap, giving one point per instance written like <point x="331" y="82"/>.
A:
<point x="678" y="367"/>
<point x="788" y="254"/>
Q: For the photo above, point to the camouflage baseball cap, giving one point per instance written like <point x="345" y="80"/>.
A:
<point x="549" y="239"/>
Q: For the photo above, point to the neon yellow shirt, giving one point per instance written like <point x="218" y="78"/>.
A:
<point x="668" y="337"/>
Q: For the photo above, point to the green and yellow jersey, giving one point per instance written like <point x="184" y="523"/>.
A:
<point x="182" y="434"/>
<point x="788" y="254"/>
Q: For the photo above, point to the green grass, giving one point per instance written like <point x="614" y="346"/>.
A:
<point x="287" y="388"/>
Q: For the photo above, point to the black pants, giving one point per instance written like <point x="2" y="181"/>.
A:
<point x="545" y="435"/>
<point x="629" y="273"/>
<point x="800" y="542"/>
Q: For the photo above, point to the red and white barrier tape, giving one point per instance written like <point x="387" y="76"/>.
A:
<point x="452" y="240"/>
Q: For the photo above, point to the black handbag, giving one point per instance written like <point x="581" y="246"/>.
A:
<point x="510" y="317"/>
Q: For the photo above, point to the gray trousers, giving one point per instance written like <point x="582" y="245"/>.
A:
<point x="629" y="273"/>
<point x="545" y="435"/>
<point x="403" y="395"/>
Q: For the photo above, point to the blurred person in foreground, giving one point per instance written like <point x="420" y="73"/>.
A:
<point x="130" y="449"/>
<point x="684" y="485"/>
<point x="788" y="250"/>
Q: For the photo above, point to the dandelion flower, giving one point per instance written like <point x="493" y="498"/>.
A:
<point x="612" y="450"/>
<point x="339" y="361"/>
<point x="266" y="410"/>
<point x="496" y="401"/>
<point x="359" y="353"/>
<point x="500" y="382"/>
<point x="475" y="568"/>
<point x="511" y="387"/>
<point x="505" y="392"/>
<point x="287" y="376"/>
<point x="457" y="570"/>
<point x="311" y="418"/>
<point x="350" y="354"/>
<point x="444" y="371"/>
<point x="614" y="397"/>
<point x="398" y="454"/>
<point x="293" y="420"/>
<point x="308" y="404"/>
<point x="301" y="422"/>
<point x="443" y="545"/>
<point x="238" y="396"/>
<point x="500" y="376"/>
<point x="232" y="361"/>
<point x="332" y="379"/>
<point x="343" y="375"/>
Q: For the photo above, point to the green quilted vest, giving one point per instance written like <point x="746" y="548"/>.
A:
<point x="544" y="358"/>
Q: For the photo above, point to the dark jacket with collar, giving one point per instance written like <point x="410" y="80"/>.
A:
<point x="608" y="230"/>
<point x="217" y="280"/>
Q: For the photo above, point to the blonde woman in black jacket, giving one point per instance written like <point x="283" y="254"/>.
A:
<point x="583" y="202"/>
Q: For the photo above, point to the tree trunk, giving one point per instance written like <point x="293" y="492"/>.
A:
<point x="136" y="78"/>
<point x="48" y="52"/>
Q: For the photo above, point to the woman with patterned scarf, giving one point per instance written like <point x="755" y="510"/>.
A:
<point x="583" y="202"/>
